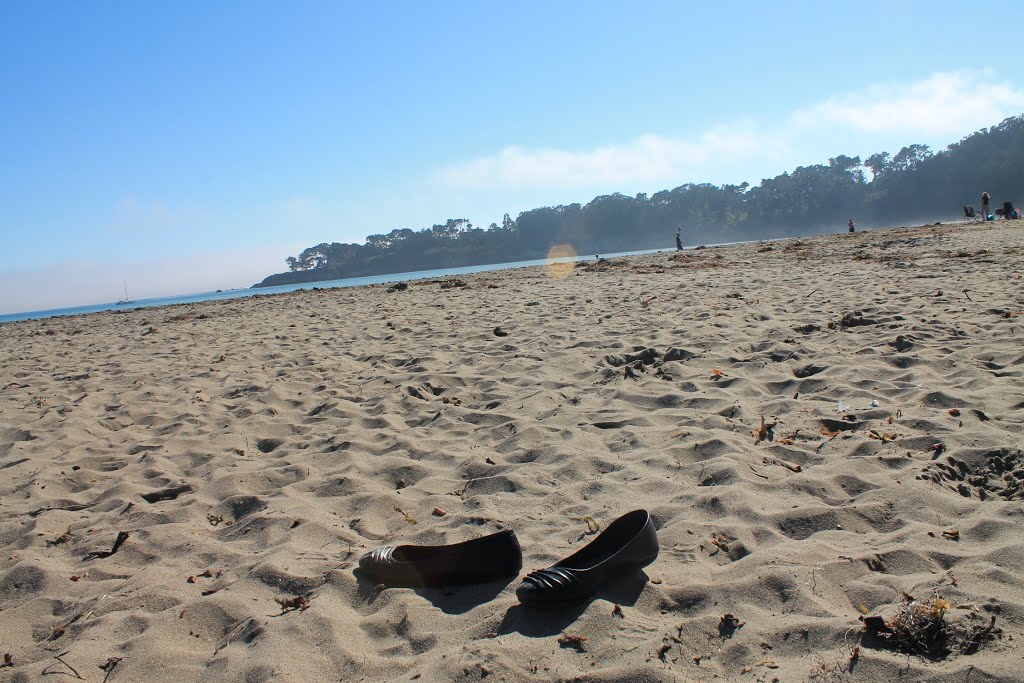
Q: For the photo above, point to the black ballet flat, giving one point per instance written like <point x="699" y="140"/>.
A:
<point x="475" y="561"/>
<point x="628" y="544"/>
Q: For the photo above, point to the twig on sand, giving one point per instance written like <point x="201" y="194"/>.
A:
<point x="792" y="467"/>
<point x="763" y="476"/>
<point x="122" y="536"/>
<point x="236" y="630"/>
<point x="59" y="659"/>
<point x="68" y="508"/>
<point x="460" y="493"/>
<point x="817" y="449"/>
<point x="109" y="667"/>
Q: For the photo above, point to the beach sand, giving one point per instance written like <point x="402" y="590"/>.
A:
<point x="253" y="449"/>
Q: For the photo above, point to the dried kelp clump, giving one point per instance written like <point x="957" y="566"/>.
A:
<point x="997" y="473"/>
<point x="921" y="627"/>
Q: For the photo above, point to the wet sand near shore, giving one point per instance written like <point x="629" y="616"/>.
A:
<point x="824" y="429"/>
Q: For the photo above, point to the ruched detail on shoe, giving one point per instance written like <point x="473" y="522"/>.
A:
<point x="552" y="585"/>
<point x="377" y="559"/>
<point x="553" y="577"/>
<point x="629" y="543"/>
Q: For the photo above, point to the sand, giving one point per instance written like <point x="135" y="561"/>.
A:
<point x="252" y="450"/>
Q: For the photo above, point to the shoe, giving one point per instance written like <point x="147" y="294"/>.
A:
<point x="475" y="561"/>
<point x="628" y="543"/>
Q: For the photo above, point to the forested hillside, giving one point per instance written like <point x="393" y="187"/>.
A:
<point x="915" y="184"/>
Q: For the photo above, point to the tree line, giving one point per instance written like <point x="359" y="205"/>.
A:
<point x="915" y="184"/>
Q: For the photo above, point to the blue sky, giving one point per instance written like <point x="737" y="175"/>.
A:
<point x="191" y="146"/>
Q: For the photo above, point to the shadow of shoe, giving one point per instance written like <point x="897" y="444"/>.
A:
<point x="535" y="622"/>
<point x="543" y="621"/>
<point x="450" y="600"/>
<point x="461" y="599"/>
<point x="625" y="589"/>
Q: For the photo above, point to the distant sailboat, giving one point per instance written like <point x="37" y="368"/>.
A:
<point x="125" y="301"/>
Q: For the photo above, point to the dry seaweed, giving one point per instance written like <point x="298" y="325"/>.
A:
<point x="920" y="627"/>
<point x="764" y="431"/>
<point x="572" y="641"/>
<point x="65" y="537"/>
<point x="408" y="518"/>
<point x="789" y="439"/>
<point x="721" y="543"/>
<point x="298" y="603"/>
<point x="728" y="625"/>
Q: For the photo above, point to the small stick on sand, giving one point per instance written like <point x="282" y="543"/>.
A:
<point x="68" y="508"/>
<point x="792" y="467"/>
<point x="122" y="536"/>
<point x="821" y="445"/>
<point x="109" y="667"/>
<point x="763" y="476"/>
<point x="59" y="659"/>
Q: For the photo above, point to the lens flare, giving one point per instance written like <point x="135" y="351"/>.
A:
<point x="559" y="270"/>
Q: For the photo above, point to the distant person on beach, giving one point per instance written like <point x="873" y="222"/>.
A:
<point x="1008" y="210"/>
<point x="679" y="241"/>
<point x="984" y="206"/>
<point x="850" y="225"/>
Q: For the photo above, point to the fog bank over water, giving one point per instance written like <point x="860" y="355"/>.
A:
<point x="96" y="281"/>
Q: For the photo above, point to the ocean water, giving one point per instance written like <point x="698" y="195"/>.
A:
<point x="326" y="284"/>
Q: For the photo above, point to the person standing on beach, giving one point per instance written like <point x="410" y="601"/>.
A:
<point x="679" y="241"/>
<point x="850" y="225"/>
<point x="984" y="206"/>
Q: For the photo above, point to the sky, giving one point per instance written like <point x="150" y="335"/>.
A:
<point x="190" y="146"/>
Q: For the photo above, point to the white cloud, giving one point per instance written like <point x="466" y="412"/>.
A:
<point x="97" y="281"/>
<point x="944" y="104"/>
<point x="648" y="159"/>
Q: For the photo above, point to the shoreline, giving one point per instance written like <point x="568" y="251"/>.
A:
<point x="255" y="290"/>
<point x="242" y="293"/>
<point x="818" y="425"/>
